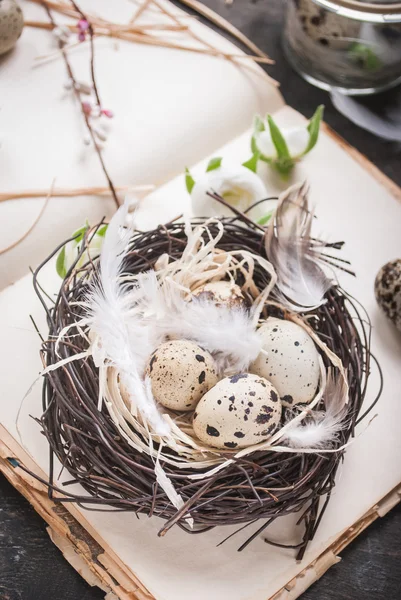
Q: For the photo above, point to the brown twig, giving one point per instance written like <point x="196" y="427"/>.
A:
<point x="73" y="192"/>
<point x="102" y="27"/>
<point x="92" y="51"/>
<point x="31" y="227"/>
<point x="223" y="24"/>
<point x="85" y="116"/>
<point x="139" y="11"/>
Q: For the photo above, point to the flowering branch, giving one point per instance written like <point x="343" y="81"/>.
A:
<point x="84" y="108"/>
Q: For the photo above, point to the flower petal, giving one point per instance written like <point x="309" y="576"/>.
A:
<point x="297" y="140"/>
<point x="238" y="185"/>
<point x="264" y="144"/>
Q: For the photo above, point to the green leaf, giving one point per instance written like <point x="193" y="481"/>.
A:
<point x="278" y="140"/>
<point x="189" y="181"/>
<point x="102" y="230"/>
<point x="266" y="218"/>
<point x="79" y="234"/>
<point x="60" y="263"/>
<point x="258" y="127"/>
<point x="284" y="166"/>
<point x="254" y="148"/>
<point x="214" y="163"/>
<point x="266" y="159"/>
<point x="252" y="163"/>
<point x="314" y="128"/>
<point x="258" y="124"/>
<point x="364" y="56"/>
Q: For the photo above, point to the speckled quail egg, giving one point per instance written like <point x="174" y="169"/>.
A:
<point x="325" y="26"/>
<point x="290" y="361"/>
<point x="388" y="291"/>
<point x="181" y="373"/>
<point x="224" y="293"/>
<point x="239" y="411"/>
<point x="11" y="24"/>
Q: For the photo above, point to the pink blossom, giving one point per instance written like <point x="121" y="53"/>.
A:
<point x="87" y="108"/>
<point x="83" y="25"/>
<point x="107" y="113"/>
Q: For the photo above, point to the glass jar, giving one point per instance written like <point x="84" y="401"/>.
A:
<point x="351" y="46"/>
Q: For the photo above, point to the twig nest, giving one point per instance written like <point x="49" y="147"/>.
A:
<point x="388" y="291"/>
<point x="239" y="411"/>
<point x="11" y="24"/>
<point x="289" y="360"/>
<point x="222" y="293"/>
<point x="181" y="373"/>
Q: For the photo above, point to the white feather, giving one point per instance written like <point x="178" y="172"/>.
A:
<point x="321" y="428"/>
<point x="229" y="334"/>
<point x="301" y="282"/>
<point x="122" y="340"/>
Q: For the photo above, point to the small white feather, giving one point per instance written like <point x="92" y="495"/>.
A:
<point x="122" y="339"/>
<point x="229" y="334"/>
<point x="301" y="282"/>
<point x="321" y="428"/>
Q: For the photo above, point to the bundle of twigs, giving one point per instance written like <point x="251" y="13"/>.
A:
<point x="258" y="486"/>
<point x="157" y="32"/>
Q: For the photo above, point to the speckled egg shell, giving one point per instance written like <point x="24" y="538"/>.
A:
<point x="221" y="293"/>
<point x="239" y="411"/>
<point x="11" y="24"/>
<point x="181" y="373"/>
<point x="291" y="363"/>
<point x="388" y="291"/>
<point x="322" y="25"/>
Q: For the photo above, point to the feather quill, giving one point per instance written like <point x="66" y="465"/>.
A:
<point x="302" y="283"/>
<point x="122" y="340"/>
<point x="321" y="428"/>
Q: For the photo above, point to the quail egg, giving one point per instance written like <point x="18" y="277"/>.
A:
<point x="221" y="293"/>
<point x="11" y="24"/>
<point x="239" y="411"/>
<point x="388" y="291"/>
<point x="181" y="373"/>
<point x="324" y="26"/>
<point x="290" y="361"/>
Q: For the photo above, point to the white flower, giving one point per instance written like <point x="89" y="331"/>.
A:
<point x="238" y="185"/>
<point x="282" y="148"/>
<point x="297" y="140"/>
<point x="71" y="250"/>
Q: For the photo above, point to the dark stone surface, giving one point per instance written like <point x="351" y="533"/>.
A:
<point x="261" y="21"/>
<point x="31" y="568"/>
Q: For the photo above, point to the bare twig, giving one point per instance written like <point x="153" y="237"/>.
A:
<point x="32" y="227"/>
<point x="74" y="192"/>
<point x="85" y="116"/>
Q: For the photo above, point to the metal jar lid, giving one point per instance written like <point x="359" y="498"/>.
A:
<point x="378" y="12"/>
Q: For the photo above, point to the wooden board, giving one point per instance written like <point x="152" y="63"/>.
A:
<point x="99" y="567"/>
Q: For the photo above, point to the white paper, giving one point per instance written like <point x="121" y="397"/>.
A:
<point x="171" y="107"/>
<point x="351" y="206"/>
